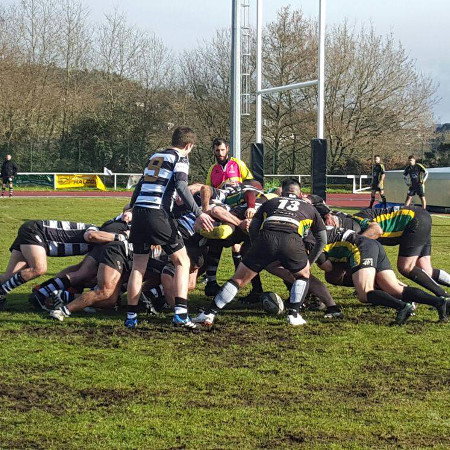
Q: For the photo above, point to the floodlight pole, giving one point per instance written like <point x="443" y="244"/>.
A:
<point x="321" y="70"/>
<point x="258" y="136"/>
<point x="235" y="114"/>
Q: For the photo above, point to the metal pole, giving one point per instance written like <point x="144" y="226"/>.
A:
<point x="258" y="136"/>
<point x="235" y="119"/>
<point x="321" y="100"/>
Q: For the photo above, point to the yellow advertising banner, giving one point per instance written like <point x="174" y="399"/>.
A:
<point x="79" y="181"/>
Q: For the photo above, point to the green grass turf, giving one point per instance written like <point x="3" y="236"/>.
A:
<point x="250" y="383"/>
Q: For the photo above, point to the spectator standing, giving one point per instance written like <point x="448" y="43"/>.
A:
<point x="8" y="172"/>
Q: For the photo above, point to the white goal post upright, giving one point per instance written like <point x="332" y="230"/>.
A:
<point x="319" y="145"/>
<point x="320" y="81"/>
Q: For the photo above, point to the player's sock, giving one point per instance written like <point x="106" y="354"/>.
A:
<point x="3" y="191"/>
<point x="11" y="190"/>
<point x="419" y="276"/>
<point x="212" y="262"/>
<point x="15" y="281"/>
<point x="383" y="200"/>
<point x="317" y="288"/>
<point x="181" y="307"/>
<point x="441" y="277"/>
<point x="257" y="284"/>
<point x="237" y="258"/>
<point x="412" y="294"/>
<point x="67" y="297"/>
<point x="53" y="285"/>
<point x="372" y="201"/>
<point x="298" y="293"/>
<point x="225" y="296"/>
<point x="381" y="298"/>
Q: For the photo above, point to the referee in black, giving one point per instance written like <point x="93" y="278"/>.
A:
<point x="8" y="172"/>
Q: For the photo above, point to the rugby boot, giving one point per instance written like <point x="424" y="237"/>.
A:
<point x="207" y="320"/>
<point x="59" y="313"/>
<point x="294" y="318"/>
<point x="187" y="323"/>
<point x="404" y="314"/>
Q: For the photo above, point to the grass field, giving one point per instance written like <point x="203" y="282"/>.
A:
<point x="250" y="383"/>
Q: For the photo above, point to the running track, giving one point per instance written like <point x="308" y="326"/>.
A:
<point x="342" y="200"/>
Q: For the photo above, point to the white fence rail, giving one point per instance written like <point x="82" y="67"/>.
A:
<point x="357" y="180"/>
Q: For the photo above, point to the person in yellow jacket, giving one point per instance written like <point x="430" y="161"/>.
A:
<point x="228" y="169"/>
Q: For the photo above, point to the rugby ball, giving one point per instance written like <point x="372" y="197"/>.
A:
<point x="272" y="303"/>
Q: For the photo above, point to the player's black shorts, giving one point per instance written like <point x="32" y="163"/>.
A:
<point x="368" y="253"/>
<point x="375" y="187"/>
<point x="416" y="239"/>
<point x="7" y="180"/>
<point x="113" y="254"/>
<point x="197" y="250"/>
<point x="29" y="233"/>
<point x="270" y="246"/>
<point x="154" y="227"/>
<point x="416" y="189"/>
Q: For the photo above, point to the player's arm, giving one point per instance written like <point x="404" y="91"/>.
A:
<point x="257" y="221"/>
<point x="382" y="175"/>
<point x="181" y="185"/>
<point x="136" y="191"/>
<point x="15" y="170"/>
<point x="319" y="232"/>
<point x="373" y="231"/>
<point x="424" y="173"/>
<point x="95" y="236"/>
<point x="406" y="176"/>
<point x="224" y="216"/>
<point x="206" y="193"/>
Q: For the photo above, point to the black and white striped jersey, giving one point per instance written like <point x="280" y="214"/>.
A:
<point x="65" y="238"/>
<point x="163" y="170"/>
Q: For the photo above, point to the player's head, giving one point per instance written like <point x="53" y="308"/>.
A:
<point x="290" y="187"/>
<point x="8" y="157"/>
<point x="377" y="159"/>
<point x="221" y="149"/>
<point x="183" y="138"/>
<point x="412" y="159"/>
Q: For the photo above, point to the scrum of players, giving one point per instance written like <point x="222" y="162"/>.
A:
<point x="171" y="233"/>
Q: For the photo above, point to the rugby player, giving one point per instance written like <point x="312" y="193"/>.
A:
<point x="80" y="274"/>
<point x="165" y="174"/>
<point x="415" y="176"/>
<point x="276" y="232"/>
<point x="378" y="176"/>
<point x="37" y="239"/>
<point x="242" y="199"/>
<point x="114" y="264"/>
<point x="409" y="227"/>
<point x="372" y="276"/>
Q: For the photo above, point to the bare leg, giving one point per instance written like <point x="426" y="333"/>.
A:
<point x="16" y="263"/>
<point x="103" y="296"/>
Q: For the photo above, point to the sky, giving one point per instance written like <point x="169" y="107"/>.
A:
<point x="421" y="26"/>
